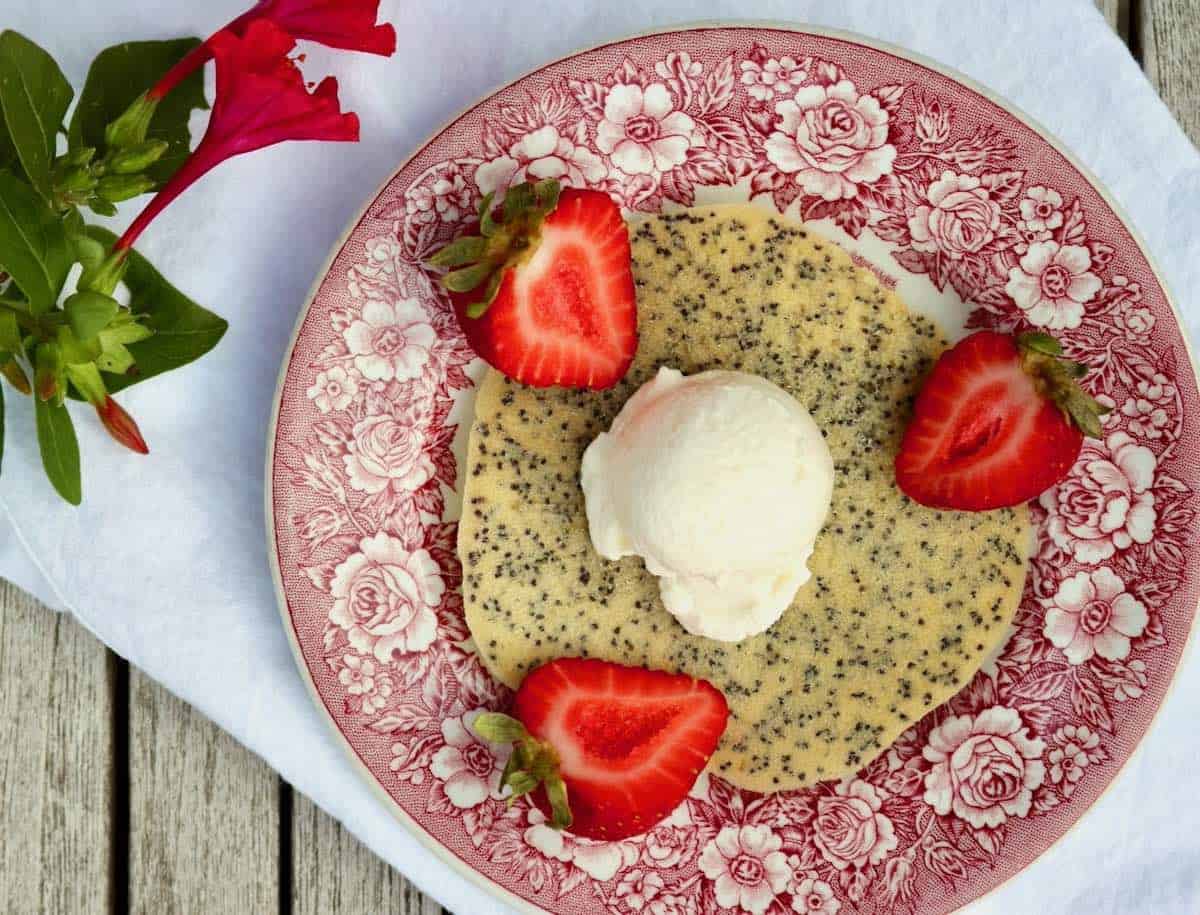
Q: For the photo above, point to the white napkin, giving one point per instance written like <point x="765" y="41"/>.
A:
<point x="166" y="559"/>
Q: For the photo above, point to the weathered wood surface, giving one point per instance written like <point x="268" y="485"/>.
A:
<point x="203" y="813"/>
<point x="56" y="762"/>
<point x="333" y="872"/>
<point x="1169" y="31"/>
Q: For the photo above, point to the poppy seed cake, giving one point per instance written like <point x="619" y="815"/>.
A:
<point x="905" y="601"/>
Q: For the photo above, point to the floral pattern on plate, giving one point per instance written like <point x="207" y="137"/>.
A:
<point x="961" y="192"/>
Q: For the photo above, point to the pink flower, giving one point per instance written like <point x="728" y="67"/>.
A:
<point x="1041" y="209"/>
<point x="1027" y="237"/>
<point x="772" y="78"/>
<point x="985" y="768"/>
<point x="468" y="767"/>
<point x="1069" y="758"/>
<point x="1052" y="284"/>
<point x="260" y="100"/>
<point x="387" y="451"/>
<point x="960" y="217"/>
<point x="641" y="131"/>
<point x="677" y="64"/>
<point x="1145" y="419"/>
<point x="1147" y="412"/>
<point x="599" y="860"/>
<point x="932" y="122"/>
<point x="671" y="904"/>
<point x="638" y="888"/>
<point x="849" y="829"/>
<point x="333" y="389"/>
<point x="1106" y="503"/>
<point x="448" y="198"/>
<point x="384" y="598"/>
<point x="832" y="140"/>
<point x="390" y="341"/>
<point x="811" y="896"/>
<point x="361" y="679"/>
<point x="1092" y="613"/>
<point x="346" y="24"/>
<point x="747" y="866"/>
<point x="1137" y="321"/>
<point x="541" y="153"/>
<point x="673" y="840"/>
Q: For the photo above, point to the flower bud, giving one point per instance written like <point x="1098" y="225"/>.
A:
<point x="48" y="372"/>
<point x="11" y="369"/>
<point x="115" y="188"/>
<point x="76" y="180"/>
<point x="130" y="128"/>
<point x="102" y="207"/>
<point x="90" y="312"/>
<point x="121" y="426"/>
<point x="105" y="275"/>
<point x="137" y="158"/>
<point x="80" y="156"/>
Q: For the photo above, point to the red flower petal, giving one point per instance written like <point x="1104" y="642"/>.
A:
<point x="346" y="24"/>
<point x="261" y="100"/>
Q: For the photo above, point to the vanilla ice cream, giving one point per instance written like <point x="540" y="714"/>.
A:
<point x="721" y="482"/>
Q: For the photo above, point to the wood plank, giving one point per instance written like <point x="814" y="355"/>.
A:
<point x="1117" y="13"/>
<point x="333" y="872"/>
<point x="204" y="813"/>
<point x="56" y="772"/>
<point x="1170" y="36"/>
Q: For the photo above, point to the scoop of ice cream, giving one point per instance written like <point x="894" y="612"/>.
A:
<point x="721" y="482"/>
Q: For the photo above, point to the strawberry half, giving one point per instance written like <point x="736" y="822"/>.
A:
<point x="999" y="420"/>
<point x="545" y="293"/>
<point x="610" y="749"/>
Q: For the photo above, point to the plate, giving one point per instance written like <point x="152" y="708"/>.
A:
<point x="975" y="215"/>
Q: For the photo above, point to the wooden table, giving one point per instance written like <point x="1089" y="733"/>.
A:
<point x="116" y="797"/>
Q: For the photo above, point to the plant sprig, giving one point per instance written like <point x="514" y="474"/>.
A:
<point x="86" y="344"/>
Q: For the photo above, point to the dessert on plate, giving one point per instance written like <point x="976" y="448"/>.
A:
<point x="713" y="446"/>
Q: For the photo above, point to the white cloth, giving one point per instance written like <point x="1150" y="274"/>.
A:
<point x="166" y="559"/>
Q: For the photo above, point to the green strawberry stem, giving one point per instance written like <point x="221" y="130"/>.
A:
<point x="1058" y="379"/>
<point x="533" y="762"/>
<point x="501" y="245"/>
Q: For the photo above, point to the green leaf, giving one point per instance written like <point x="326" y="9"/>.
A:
<point x="60" y="449"/>
<point x="499" y="728"/>
<point x="33" y="244"/>
<point x="467" y="278"/>
<point x="87" y="381"/>
<point x="183" y="331"/>
<point x="90" y="312"/>
<point x="34" y="95"/>
<point x="10" y="332"/>
<point x="1040" y="343"/>
<point x="8" y="153"/>
<point x="119" y="75"/>
<point x="116" y="360"/>
<point x="465" y="250"/>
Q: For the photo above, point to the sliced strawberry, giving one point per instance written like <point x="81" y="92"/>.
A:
<point x="546" y="294"/>
<point x="999" y="420"/>
<point x="610" y="749"/>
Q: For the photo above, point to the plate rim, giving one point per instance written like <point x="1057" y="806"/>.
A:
<point x="412" y="825"/>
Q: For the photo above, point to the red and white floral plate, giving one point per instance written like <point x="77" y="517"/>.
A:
<point x="975" y="215"/>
